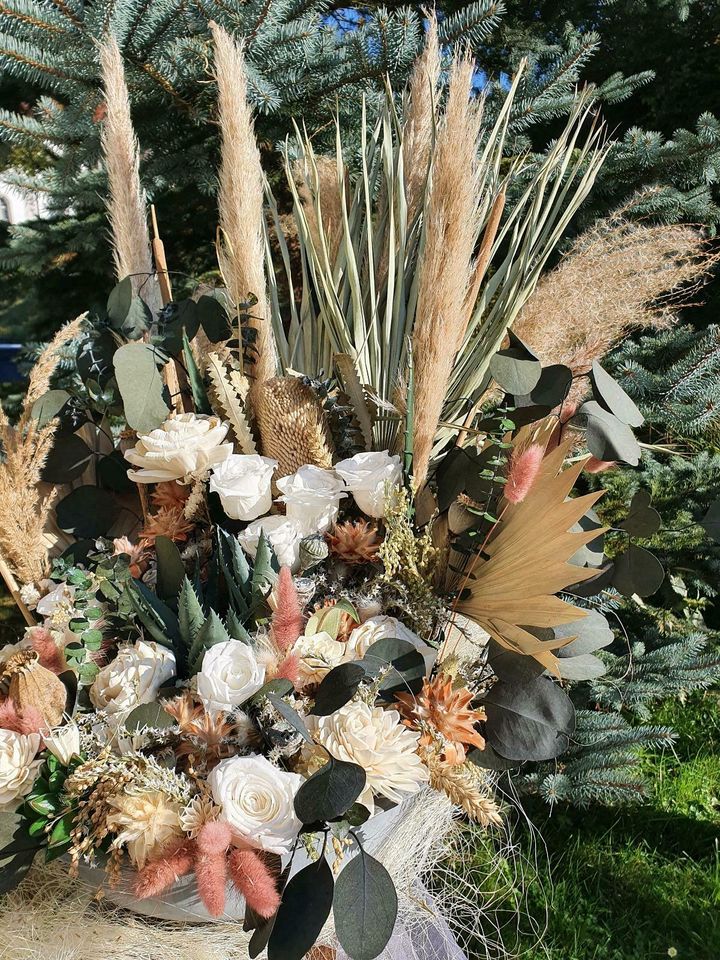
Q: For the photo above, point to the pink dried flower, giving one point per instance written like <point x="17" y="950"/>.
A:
<point x="287" y="621"/>
<point x="254" y="880"/>
<point x="159" y="875"/>
<point x="26" y="720"/>
<point x="51" y="656"/>
<point x="211" y="865"/>
<point x="522" y="471"/>
<point x="289" y="669"/>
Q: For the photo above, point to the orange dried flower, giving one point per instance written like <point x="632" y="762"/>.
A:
<point x="355" y="542"/>
<point x="208" y="733"/>
<point x="447" y="712"/>
<point x="170" y="494"/>
<point x="168" y="522"/>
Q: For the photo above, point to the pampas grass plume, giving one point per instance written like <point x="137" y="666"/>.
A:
<point x="253" y="879"/>
<point x="159" y="875"/>
<point x="522" y="471"/>
<point x="287" y="621"/>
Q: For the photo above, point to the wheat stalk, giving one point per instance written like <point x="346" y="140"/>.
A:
<point x="462" y="785"/>
<point x="240" y="199"/>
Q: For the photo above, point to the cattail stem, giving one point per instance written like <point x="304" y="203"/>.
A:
<point x="171" y="370"/>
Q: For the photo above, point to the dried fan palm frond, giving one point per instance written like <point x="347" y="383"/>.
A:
<point x="515" y="589"/>
<point x="126" y="204"/>
<point x="617" y="277"/>
<point x="292" y="424"/>
<point x="240" y="198"/>
<point x="230" y="396"/>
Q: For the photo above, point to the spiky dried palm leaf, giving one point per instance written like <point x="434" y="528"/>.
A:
<point x="514" y="589"/>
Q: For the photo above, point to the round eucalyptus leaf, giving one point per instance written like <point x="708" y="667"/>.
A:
<point x="528" y="721"/>
<point x="607" y="437"/>
<point x="553" y="386"/>
<point x="583" y="667"/>
<point x="118" y="303"/>
<point x="591" y="632"/>
<point x="214" y="319"/>
<point x="642" y="519"/>
<point x="88" y="512"/>
<point x="68" y="459"/>
<point x="306" y="904"/>
<point x="488" y="759"/>
<point x="141" y="386"/>
<point x="591" y="554"/>
<point x="112" y="473"/>
<point x="48" y="406"/>
<point x="516" y="368"/>
<point x="337" y="688"/>
<point x="594" y="585"/>
<point x="511" y="666"/>
<point x="611" y="395"/>
<point x="637" y="571"/>
<point x="329" y="792"/>
<point x="406" y="665"/>
<point x="148" y="715"/>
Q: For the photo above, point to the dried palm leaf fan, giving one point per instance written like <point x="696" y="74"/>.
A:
<point x="430" y="257"/>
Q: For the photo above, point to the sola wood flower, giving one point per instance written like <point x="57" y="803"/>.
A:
<point x="144" y="823"/>
<point x="355" y="542"/>
<point x="184" y="446"/>
<point x="446" y="711"/>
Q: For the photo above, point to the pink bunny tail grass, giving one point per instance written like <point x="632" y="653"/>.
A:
<point x="287" y="621"/>
<point x="522" y="471"/>
<point x="289" y="669"/>
<point x="211" y="865"/>
<point x="26" y="720"/>
<point x="254" y="880"/>
<point x="51" y="656"/>
<point x="159" y="875"/>
<point x="593" y="465"/>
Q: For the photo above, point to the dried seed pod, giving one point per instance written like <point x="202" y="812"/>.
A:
<point x="292" y="423"/>
<point x="30" y="684"/>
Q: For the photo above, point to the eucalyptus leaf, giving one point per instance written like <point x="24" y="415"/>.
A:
<point x="330" y="792"/>
<point x="290" y="715"/>
<point x="528" y="721"/>
<point x="553" y="386"/>
<point x="48" y="406"/>
<point x="637" y="571"/>
<point x="642" y="519"/>
<point x="214" y="319"/>
<point x="592" y="632"/>
<point x="148" y="715"/>
<point x="608" y="392"/>
<point x="364" y="907"/>
<point x="406" y="665"/>
<point x="88" y="512"/>
<point x="516" y="369"/>
<point x="583" y="667"/>
<point x="68" y="459"/>
<point x="337" y="688"/>
<point x="711" y="521"/>
<point x="141" y="386"/>
<point x="608" y="438"/>
<point x="306" y="904"/>
<point x="488" y="759"/>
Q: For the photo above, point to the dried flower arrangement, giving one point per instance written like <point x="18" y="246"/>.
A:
<point x="308" y="600"/>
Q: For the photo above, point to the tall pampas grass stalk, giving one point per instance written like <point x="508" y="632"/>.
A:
<point x="240" y="199"/>
<point x="419" y="124"/>
<point x="452" y="225"/>
<point x="126" y="203"/>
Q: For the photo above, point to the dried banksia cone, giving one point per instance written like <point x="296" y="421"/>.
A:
<point x="32" y="686"/>
<point x="355" y="542"/>
<point x="293" y="427"/>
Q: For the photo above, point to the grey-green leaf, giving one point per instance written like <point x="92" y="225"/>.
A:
<point x="364" y="907"/>
<point x="141" y="386"/>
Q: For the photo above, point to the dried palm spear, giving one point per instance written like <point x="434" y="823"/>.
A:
<point x="292" y="424"/>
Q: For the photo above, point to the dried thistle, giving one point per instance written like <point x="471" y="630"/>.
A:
<point x="293" y="425"/>
<point x="240" y="198"/>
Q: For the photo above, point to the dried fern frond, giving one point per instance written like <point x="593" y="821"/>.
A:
<point x="229" y="399"/>
<point x="292" y="424"/>
<point x="617" y="277"/>
<point x="515" y="588"/>
<point x="240" y="199"/>
<point x="126" y="203"/>
<point x="463" y="786"/>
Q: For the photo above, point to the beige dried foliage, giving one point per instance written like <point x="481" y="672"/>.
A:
<point x="419" y="123"/>
<point x="514" y="589"/>
<point x="292" y="424"/>
<point x="229" y="392"/>
<point x="126" y="204"/>
<point x="27" y="511"/>
<point x="241" y="250"/>
<point x="463" y="785"/>
<point x="618" y="276"/>
<point x="452" y="224"/>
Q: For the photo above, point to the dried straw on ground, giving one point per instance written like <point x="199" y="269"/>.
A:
<point x="452" y="225"/>
<point x="240" y="199"/>
<point x="126" y="204"/>
<point x="618" y="276"/>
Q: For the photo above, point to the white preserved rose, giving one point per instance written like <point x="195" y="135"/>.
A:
<point x="284" y="535"/>
<point x="63" y="742"/>
<point x="318" y="654"/>
<point x="377" y="741"/>
<point x="230" y="674"/>
<point x="370" y="477"/>
<point x="18" y="767"/>
<point x="183" y="447"/>
<point x="258" y="800"/>
<point x="312" y="497"/>
<point x="135" y="676"/>
<point x="244" y="482"/>
<point x="378" y="628"/>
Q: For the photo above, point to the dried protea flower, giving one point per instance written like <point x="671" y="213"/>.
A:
<point x="169" y="493"/>
<point x="439" y="709"/>
<point x="355" y="542"/>
<point x="168" y="522"/>
<point x="293" y="426"/>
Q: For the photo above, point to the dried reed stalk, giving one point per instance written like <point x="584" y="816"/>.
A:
<point x="419" y="125"/>
<point x="463" y="786"/>
<point x="617" y="277"/>
<point x="452" y="226"/>
<point x="240" y="198"/>
<point x="126" y="204"/>
<point x="25" y="511"/>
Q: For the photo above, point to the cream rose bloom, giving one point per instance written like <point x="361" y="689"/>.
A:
<point x="185" y="446"/>
<point x="312" y="497"/>
<point x="18" y="767"/>
<point x="230" y="674"/>
<point x="243" y="482"/>
<point x="318" y="654"/>
<point x="377" y="741"/>
<point x="135" y="676"/>
<point x="257" y="799"/>
<point x="369" y="477"/>
<point x="378" y="628"/>
<point x="284" y="535"/>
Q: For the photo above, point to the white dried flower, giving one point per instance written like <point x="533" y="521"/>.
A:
<point x="318" y="654"/>
<point x="184" y="447"/>
<point x="283" y="534"/>
<point x="370" y="477"/>
<point x="144" y="823"/>
<point x="312" y="497"/>
<point x="243" y="483"/>
<point x="135" y="676"/>
<point x="18" y="766"/>
<point x="379" y="628"/>
<point x="230" y="674"/>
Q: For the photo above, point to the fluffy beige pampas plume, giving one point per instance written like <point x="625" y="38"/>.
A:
<point x="617" y="277"/>
<point x="419" y="125"/>
<point x="327" y="189"/>
<point x="126" y="204"/>
<point x="452" y="225"/>
<point x="293" y="427"/>
<point x="240" y="199"/>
